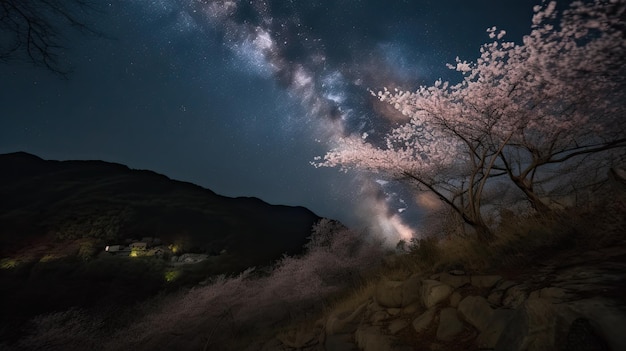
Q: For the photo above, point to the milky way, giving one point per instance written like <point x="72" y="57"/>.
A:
<point x="280" y="44"/>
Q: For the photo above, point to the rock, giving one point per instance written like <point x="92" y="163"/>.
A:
<point x="411" y="290"/>
<point x="299" y="338"/>
<point x="434" y="292"/>
<point x="370" y="338"/>
<point x="552" y="294"/>
<point x="397" y="325"/>
<point x="457" y="272"/>
<point x="455" y="298"/>
<point x="607" y="316"/>
<point x="422" y="322"/>
<point x="485" y="281"/>
<point x="514" y="296"/>
<point x="583" y="336"/>
<point x="495" y="297"/>
<point x="374" y="307"/>
<point x="454" y="281"/>
<point x="389" y="293"/>
<point x="378" y="317"/>
<point x="340" y="342"/>
<point x="537" y="325"/>
<point x="397" y="294"/>
<point x="274" y="345"/>
<point x="489" y="337"/>
<point x="402" y="348"/>
<point x="343" y="322"/>
<point x="505" y="284"/>
<point x="412" y="308"/>
<point x="534" y="294"/>
<point x="476" y="311"/>
<point x="394" y="311"/>
<point x="449" y="324"/>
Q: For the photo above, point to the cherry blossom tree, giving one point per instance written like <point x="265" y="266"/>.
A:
<point x="521" y="111"/>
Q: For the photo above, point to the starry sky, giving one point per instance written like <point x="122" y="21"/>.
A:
<point x="240" y="96"/>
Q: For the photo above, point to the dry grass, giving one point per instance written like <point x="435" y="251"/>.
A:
<point x="350" y="300"/>
<point x="521" y="240"/>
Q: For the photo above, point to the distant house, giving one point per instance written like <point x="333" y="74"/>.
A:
<point x="118" y="250"/>
<point x="157" y="251"/>
<point x="138" y="246"/>
<point x="113" y="248"/>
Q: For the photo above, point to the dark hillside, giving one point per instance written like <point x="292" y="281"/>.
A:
<point x="93" y="199"/>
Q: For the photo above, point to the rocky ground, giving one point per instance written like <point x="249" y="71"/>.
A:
<point x="570" y="301"/>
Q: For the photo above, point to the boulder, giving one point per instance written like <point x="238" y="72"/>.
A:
<point x="378" y="317"/>
<point x="374" y="307"/>
<point x="300" y="337"/>
<point x="339" y="342"/>
<point x="537" y="325"/>
<point x="394" y="311"/>
<point x="398" y="294"/>
<point x="434" y="292"/>
<point x="476" y="311"/>
<point x="499" y="320"/>
<point x="389" y="293"/>
<point x="344" y="322"/>
<point x="607" y="316"/>
<point x="454" y="281"/>
<point x="553" y="294"/>
<point x="505" y="284"/>
<point x="495" y="297"/>
<point x="411" y="290"/>
<point x="370" y="338"/>
<point x="515" y="296"/>
<point x="583" y="336"/>
<point x="449" y="324"/>
<point x="397" y="325"/>
<point x="412" y="308"/>
<point x="485" y="281"/>
<point x="455" y="298"/>
<point x="422" y="322"/>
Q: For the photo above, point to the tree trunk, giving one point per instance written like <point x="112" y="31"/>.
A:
<point x="536" y="203"/>
<point x="483" y="232"/>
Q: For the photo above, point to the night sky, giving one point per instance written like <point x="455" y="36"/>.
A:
<point x="240" y="96"/>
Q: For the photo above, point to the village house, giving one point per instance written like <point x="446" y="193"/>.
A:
<point x="138" y="245"/>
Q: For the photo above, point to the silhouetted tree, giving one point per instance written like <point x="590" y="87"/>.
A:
<point x="33" y="30"/>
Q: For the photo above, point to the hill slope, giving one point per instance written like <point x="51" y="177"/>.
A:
<point x="44" y="200"/>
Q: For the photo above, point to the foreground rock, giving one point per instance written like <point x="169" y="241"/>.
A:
<point x="551" y="309"/>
